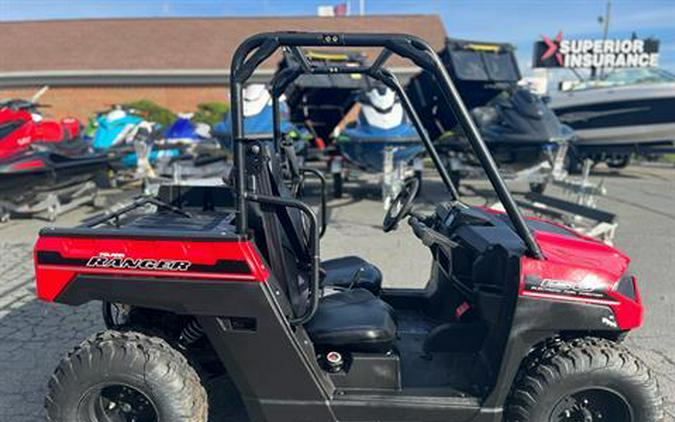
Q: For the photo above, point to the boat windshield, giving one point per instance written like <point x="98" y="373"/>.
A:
<point x="626" y="77"/>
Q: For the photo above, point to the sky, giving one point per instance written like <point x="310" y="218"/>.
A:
<point x="520" y="22"/>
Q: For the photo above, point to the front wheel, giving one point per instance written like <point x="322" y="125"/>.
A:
<point x="585" y="380"/>
<point x="125" y="376"/>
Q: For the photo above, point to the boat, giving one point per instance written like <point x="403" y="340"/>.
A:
<point x="522" y="132"/>
<point x="43" y="169"/>
<point x="381" y="140"/>
<point x="626" y="111"/>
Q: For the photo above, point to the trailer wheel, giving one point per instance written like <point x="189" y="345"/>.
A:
<point x="538" y="187"/>
<point x="586" y="379"/>
<point x="574" y="163"/>
<point x="618" y="162"/>
<point x="125" y="375"/>
<point x="105" y="179"/>
<point x="337" y="185"/>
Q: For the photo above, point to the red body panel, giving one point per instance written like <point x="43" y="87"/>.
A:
<point x="589" y="270"/>
<point x="52" y="278"/>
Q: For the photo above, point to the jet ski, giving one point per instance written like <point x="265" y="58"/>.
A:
<point x="381" y="140"/>
<point x="43" y="171"/>
<point x="381" y="124"/>
<point x="200" y="155"/>
<point x="129" y="140"/>
<point x="258" y="122"/>
<point x="22" y="121"/>
<point x="525" y="137"/>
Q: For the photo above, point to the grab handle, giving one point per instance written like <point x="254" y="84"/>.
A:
<point x="322" y="179"/>
<point x="313" y="248"/>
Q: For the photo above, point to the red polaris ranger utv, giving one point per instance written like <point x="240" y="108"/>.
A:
<point x="521" y="319"/>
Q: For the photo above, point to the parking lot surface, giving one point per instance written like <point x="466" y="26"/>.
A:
<point x="34" y="335"/>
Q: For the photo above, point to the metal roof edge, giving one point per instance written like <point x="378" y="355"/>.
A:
<point x="141" y="77"/>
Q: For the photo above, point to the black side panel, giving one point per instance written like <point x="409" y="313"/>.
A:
<point x="181" y="296"/>
<point x="273" y="368"/>
<point x="536" y="320"/>
<point x="409" y="408"/>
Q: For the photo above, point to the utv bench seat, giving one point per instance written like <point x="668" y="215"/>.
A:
<point x="353" y="320"/>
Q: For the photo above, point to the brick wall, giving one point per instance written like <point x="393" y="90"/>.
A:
<point x="84" y="102"/>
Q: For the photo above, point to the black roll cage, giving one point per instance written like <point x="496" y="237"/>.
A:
<point x="257" y="48"/>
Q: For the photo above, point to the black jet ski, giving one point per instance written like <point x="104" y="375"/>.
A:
<point x="518" y="127"/>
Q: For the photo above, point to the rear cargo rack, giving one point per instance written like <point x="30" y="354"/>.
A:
<point x="135" y="204"/>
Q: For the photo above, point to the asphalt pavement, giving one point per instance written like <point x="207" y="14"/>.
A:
<point x="35" y="335"/>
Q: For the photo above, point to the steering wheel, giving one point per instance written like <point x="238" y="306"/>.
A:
<point x="401" y="205"/>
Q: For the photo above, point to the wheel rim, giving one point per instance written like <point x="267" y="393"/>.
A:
<point x="592" y="405"/>
<point x="117" y="403"/>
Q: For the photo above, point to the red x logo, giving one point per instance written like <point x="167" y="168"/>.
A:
<point x="553" y="46"/>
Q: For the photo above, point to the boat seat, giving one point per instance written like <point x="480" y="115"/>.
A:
<point x="353" y="320"/>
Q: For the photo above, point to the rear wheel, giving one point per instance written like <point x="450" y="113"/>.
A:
<point x="585" y="380"/>
<point x="125" y="376"/>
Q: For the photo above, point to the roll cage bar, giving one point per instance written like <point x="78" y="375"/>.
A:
<point x="256" y="49"/>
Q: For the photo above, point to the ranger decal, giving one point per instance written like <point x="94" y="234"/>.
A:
<point x="119" y="261"/>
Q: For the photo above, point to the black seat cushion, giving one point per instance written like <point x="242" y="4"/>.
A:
<point x="353" y="320"/>
<point x="351" y="271"/>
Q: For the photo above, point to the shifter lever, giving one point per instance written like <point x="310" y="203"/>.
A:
<point x="356" y="278"/>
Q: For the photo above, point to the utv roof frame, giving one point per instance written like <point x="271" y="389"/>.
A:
<point x="256" y="49"/>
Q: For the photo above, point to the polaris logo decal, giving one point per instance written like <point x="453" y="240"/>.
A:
<point x="588" y="287"/>
<point x="121" y="262"/>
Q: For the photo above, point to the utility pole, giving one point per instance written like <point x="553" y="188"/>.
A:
<point x="605" y="31"/>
